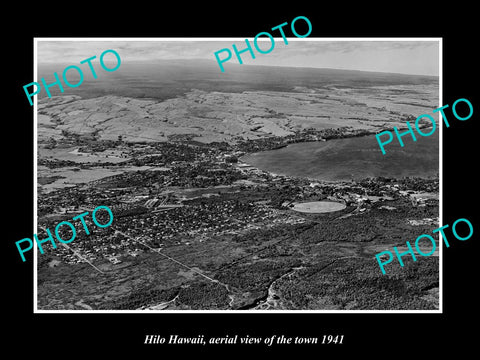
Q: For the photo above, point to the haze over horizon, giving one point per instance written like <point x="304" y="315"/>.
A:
<point x="393" y="56"/>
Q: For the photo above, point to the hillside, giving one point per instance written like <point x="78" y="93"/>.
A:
<point x="146" y="102"/>
<point x="166" y="79"/>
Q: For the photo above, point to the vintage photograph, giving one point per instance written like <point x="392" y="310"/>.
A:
<point x="259" y="188"/>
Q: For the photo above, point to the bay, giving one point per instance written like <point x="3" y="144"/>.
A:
<point x="352" y="159"/>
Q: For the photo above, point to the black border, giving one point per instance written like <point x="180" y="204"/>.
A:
<point x="376" y="334"/>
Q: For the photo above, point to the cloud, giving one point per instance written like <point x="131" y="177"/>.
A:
<point x="415" y="57"/>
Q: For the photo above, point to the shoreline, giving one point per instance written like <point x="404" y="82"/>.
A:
<point x="288" y="163"/>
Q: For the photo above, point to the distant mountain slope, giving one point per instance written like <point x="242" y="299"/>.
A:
<point x="169" y="78"/>
<point x="152" y="102"/>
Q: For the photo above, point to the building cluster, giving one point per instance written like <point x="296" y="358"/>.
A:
<point x="150" y="205"/>
<point x="183" y="224"/>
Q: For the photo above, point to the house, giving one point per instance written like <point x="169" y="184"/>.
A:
<point x="113" y="260"/>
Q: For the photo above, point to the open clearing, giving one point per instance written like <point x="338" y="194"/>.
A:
<point x="319" y="207"/>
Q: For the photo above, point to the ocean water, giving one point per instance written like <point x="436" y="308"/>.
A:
<point x="352" y="158"/>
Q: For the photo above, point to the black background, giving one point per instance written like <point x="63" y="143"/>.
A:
<point x="379" y="335"/>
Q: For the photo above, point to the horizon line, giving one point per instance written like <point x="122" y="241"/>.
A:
<point x="257" y="65"/>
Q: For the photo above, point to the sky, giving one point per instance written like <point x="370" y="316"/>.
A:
<point x="404" y="56"/>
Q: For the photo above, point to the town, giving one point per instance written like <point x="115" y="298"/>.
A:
<point x="197" y="191"/>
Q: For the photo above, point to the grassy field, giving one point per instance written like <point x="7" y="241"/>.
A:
<point x="318" y="207"/>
